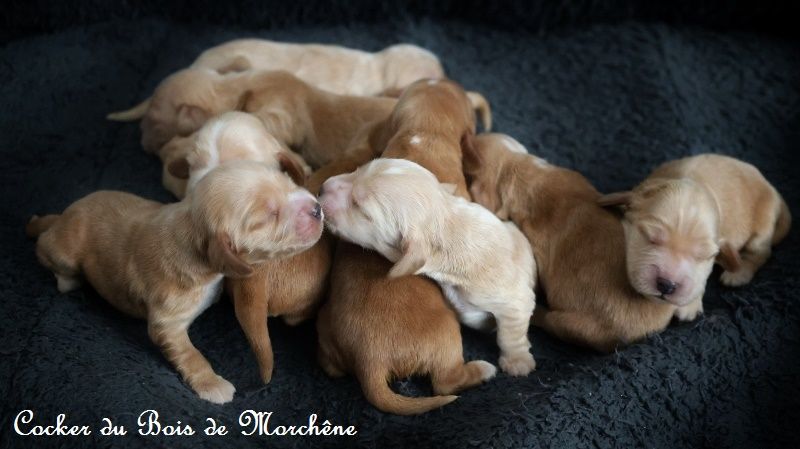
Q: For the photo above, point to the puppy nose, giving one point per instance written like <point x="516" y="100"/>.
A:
<point x="665" y="286"/>
<point x="316" y="212"/>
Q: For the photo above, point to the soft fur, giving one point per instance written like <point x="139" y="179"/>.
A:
<point x="165" y="263"/>
<point x="380" y="328"/>
<point x="579" y="246"/>
<point x="230" y="136"/>
<point x="692" y="212"/>
<point x="484" y="266"/>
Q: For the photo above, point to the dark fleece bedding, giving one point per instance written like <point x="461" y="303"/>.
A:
<point x="611" y="99"/>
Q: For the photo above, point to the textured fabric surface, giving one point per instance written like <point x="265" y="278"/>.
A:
<point x="611" y="101"/>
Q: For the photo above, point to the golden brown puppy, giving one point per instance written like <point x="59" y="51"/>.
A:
<point x="485" y="266"/>
<point x="578" y="245"/>
<point x="693" y="211"/>
<point x="379" y="328"/>
<point x="165" y="263"/>
<point x="336" y="69"/>
<point x="231" y="136"/>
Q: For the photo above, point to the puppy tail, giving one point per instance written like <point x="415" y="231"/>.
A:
<point x="37" y="225"/>
<point x="783" y="223"/>
<point x="378" y="393"/>
<point x="482" y="108"/>
<point x="132" y="114"/>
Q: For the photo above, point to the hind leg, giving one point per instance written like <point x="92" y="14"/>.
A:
<point x="54" y="258"/>
<point x="452" y="379"/>
<point x="753" y="255"/>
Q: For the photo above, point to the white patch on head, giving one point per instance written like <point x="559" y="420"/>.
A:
<point x="513" y="145"/>
<point x="416" y="140"/>
<point x="432" y="82"/>
<point x="394" y="170"/>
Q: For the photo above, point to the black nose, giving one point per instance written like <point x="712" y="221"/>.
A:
<point x="317" y="211"/>
<point x="665" y="286"/>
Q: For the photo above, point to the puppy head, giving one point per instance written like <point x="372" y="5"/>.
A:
<point x="184" y="101"/>
<point x="386" y="205"/>
<point x="671" y="237"/>
<point x="487" y="161"/>
<point x="233" y="136"/>
<point x="251" y="213"/>
<point x="403" y="64"/>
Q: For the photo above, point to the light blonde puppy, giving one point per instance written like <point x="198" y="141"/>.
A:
<point x="231" y="136"/>
<point x="485" y="267"/>
<point x="336" y="69"/>
<point x="692" y="212"/>
<point x="165" y="263"/>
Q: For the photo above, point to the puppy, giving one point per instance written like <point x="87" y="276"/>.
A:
<point x="485" y="267"/>
<point x="165" y="263"/>
<point x="332" y="68"/>
<point x="577" y="244"/>
<point x="380" y="328"/>
<point x="692" y="212"/>
<point x="230" y="136"/>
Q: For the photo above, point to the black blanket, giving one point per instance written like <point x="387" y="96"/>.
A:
<point x="610" y="98"/>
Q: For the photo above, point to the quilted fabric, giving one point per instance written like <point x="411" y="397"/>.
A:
<point x="610" y="100"/>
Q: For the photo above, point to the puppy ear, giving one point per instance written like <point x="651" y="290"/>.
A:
<point x="222" y="256"/>
<point x="238" y="64"/>
<point x="728" y="257"/>
<point x="291" y="167"/>
<point x="190" y="118"/>
<point x="615" y="199"/>
<point x="179" y="168"/>
<point x="470" y="156"/>
<point x="410" y="262"/>
<point x="448" y="187"/>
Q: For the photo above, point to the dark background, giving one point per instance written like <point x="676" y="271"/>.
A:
<point x="608" y="88"/>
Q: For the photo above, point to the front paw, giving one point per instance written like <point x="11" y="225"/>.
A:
<point x="736" y="278"/>
<point x="690" y="311"/>
<point x="215" y="389"/>
<point x="518" y="364"/>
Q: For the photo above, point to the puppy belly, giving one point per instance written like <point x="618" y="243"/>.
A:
<point x="468" y="314"/>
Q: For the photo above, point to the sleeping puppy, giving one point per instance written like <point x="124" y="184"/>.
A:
<point x="692" y="212"/>
<point x="485" y="267"/>
<point x="230" y="136"/>
<point x="165" y="263"/>
<point x="578" y="245"/>
<point x="336" y="69"/>
<point x="379" y="328"/>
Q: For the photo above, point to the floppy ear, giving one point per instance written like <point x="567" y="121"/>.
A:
<point x="470" y="156"/>
<point x="238" y="64"/>
<point x="448" y="187"/>
<point x="409" y="263"/>
<point x="224" y="259"/>
<point x="191" y="118"/>
<point x="615" y="199"/>
<point x="291" y="167"/>
<point x="179" y="168"/>
<point x="728" y="257"/>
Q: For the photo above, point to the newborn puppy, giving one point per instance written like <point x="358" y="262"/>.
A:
<point x="230" y="136"/>
<point x="693" y="211"/>
<point x="485" y="267"/>
<point x="380" y="328"/>
<point x="165" y="263"/>
<point x="578" y="246"/>
<point x="332" y="68"/>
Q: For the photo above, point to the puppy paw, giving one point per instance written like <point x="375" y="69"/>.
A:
<point x="517" y="364"/>
<point x="736" y="278"/>
<point x="66" y="284"/>
<point x="486" y="369"/>
<point x="215" y="389"/>
<point x="690" y="311"/>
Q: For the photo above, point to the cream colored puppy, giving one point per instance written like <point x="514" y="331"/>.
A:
<point x="165" y="263"/>
<point x="485" y="267"/>
<point x="231" y="136"/>
<point x="692" y="212"/>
